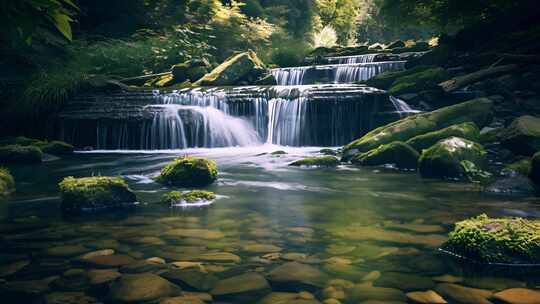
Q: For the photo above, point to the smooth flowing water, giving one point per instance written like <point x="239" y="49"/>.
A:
<point x="361" y="234"/>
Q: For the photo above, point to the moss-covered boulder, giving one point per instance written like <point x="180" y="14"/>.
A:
<point x="238" y="67"/>
<point x="7" y="183"/>
<point x="523" y="135"/>
<point x="189" y="172"/>
<point x="496" y="240"/>
<point x="453" y="157"/>
<point x="191" y="197"/>
<point x="398" y="153"/>
<point x="477" y="110"/>
<point x="522" y="166"/>
<point x="385" y="80"/>
<point x="535" y="169"/>
<point x="191" y="70"/>
<point x="58" y="148"/>
<point x="467" y="130"/>
<point x="420" y="81"/>
<point x="317" y="161"/>
<point x="20" y="154"/>
<point x="89" y="194"/>
<point x="23" y="141"/>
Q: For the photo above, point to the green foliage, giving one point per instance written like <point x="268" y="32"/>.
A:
<point x="341" y="16"/>
<point x="175" y="197"/>
<point x="289" y="53"/>
<point x="7" y="183"/>
<point x="318" y="161"/>
<point x="24" y="21"/>
<point x="94" y="193"/>
<point x="473" y="173"/>
<point x="522" y="166"/>
<point x="20" y="154"/>
<point x="326" y="37"/>
<point x="496" y="240"/>
<point x="189" y="171"/>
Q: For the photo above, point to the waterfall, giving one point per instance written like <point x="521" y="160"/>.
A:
<point x="166" y="130"/>
<point x="402" y="108"/>
<point x="366" y="58"/>
<point x="290" y="76"/>
<point x="350" y="73"/>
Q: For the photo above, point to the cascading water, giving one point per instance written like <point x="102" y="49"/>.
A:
<point x="366" y="58"/>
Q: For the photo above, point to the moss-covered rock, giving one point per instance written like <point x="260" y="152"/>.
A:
<point x="453" y="157"/>
<point x="94" y="193"/>
<point x="438" y="56"/>
<point x="398" y="153"/>
<point x="385" y="80"/>
<point x="467" y="130"/>
<point x="189" y="171"/>
<point x="191" y="70"/>
<point x="478" y="111"/>
<point x="234" y="69"/>
<point x="7" y="183"/>
<point x="191" y="197"/>
<point x="522" y="166"/>
<point x="535" y="169"/>
<point x="23" y="141"/>
<point x="318" y="161"/>
<point x="496" y="240"/>
<point x="57" y="148"/>
<point x="20" y="154"/>
<point x="420" y="81"/>
<point x="523" y="135"/>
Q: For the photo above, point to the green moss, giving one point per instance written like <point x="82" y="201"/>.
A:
<point x="398" y="153"/>
<point x="467" y="130"/>
<point x="190" y="197"/>
<point x="477" y="110"/>
<point x="535" y="169"/>
<point x="522" y="166"/>
<point x="278" y="152"/>
<point x="320" y="161"/>
<point x="189" y="171"/>
<point x="496" y="240"/>
<point x="445" y="159"/>
<point x="7" y="183"/>
<point x="94" y="193"/>
<point x="58" y="148"/>
<point x="420" y="81"/>
<point x="233" y="69"/>
<point x="327" y="151"/>
<point x="20" y="154"/>
<point x="23" y="141"/>
<point x="385" y="80"/>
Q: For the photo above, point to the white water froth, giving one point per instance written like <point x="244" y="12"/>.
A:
<point x="366" y="58"/>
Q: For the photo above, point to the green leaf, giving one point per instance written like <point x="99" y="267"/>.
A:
<point x="61" y="21"/>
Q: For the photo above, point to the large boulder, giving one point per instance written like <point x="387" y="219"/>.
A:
<point x="535" y="169"/>
<point x="57" y="148"/>
<point x="7" y="183"/>
<point x="467" y="130"/>
<point x="398" y="153"/>
<point x="191" y="70"/>
<point x="385" y="80"/>
<point x="141" y="288"/>
<point x="421" y="81"/>
<point x="189" y="172"/>
<point x="496" y="240"/>
<point x="523" y="135"/>
<point x="477" y="110"/>
<point x="20" y="154"/>
<point x="451" y="158"/>
<point x="94" y="193"/>
<point x="243" y="66"/>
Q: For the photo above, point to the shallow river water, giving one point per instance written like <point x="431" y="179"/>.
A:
<point x="357" y="235"/>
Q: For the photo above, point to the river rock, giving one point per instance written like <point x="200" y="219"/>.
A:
<point x="94" y="193"/>
<point x="493" y="240"/>
<point x="70" y="298"/>
<point x="518" y="296"/>
<point x="297" y="276"/>
<point x="467" y="130"/>
<point x="141" y="266"/>
<point x="102" y="276"/>
<point x="478" y="111"/>
<point x="523" y="135"/>
<point x="465" y="295"/>
<point x="425" y="297"/>
<point x="135" y="288"/>
<point x="289" y="298"/>
<point x="12" y="268"/>
<point x="66" y="251"/>
<point x="191" y="278"/>
<point x="248" y="285"/>
<point x="189" y="172"/>
<point x="420" y="81"/>
<point x="316" y="161"/>
<point x="398" y="153"/>
<point x="108" y="261"/>
<point x="261" y="248"/>
<point x="366" y="291"/>
<point x="535" y="169"/>
<point x="239" y="67"/>
<point x="196" y="233"/>
<point x="218" y="257"/>
<point x="58" y="148"/>
<point x="517" y="185"/>
<point x="445" y="159"/>
<point x="407" y="282"/>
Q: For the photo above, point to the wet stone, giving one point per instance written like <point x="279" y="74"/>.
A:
<point x="407" y="282"/>
<point x="133" y="288"/>
<point x="223" y="257"/>
<point x="339" y="249"/>
<point x="518" y="296"/>
<point x="366" y="291"/>
<point x="102" y="276"/>
<point x="425" y="297"/>
<point x="108" y="261"/>
<point x="245" y="286"/>
<point x="12" y="268"/>
<point x="261" y="248"/>
<point x="196" y="233"/>
<point x="70" y="298"/>
<point x="465" y="295"/>
<point x="191" y="279"/>
<point x="493" y="283"/>
<point x="141" y="266"/>
<point x="289" y="298"/>
<point x="66" y="251"/>
<point x="296" y="276"/>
